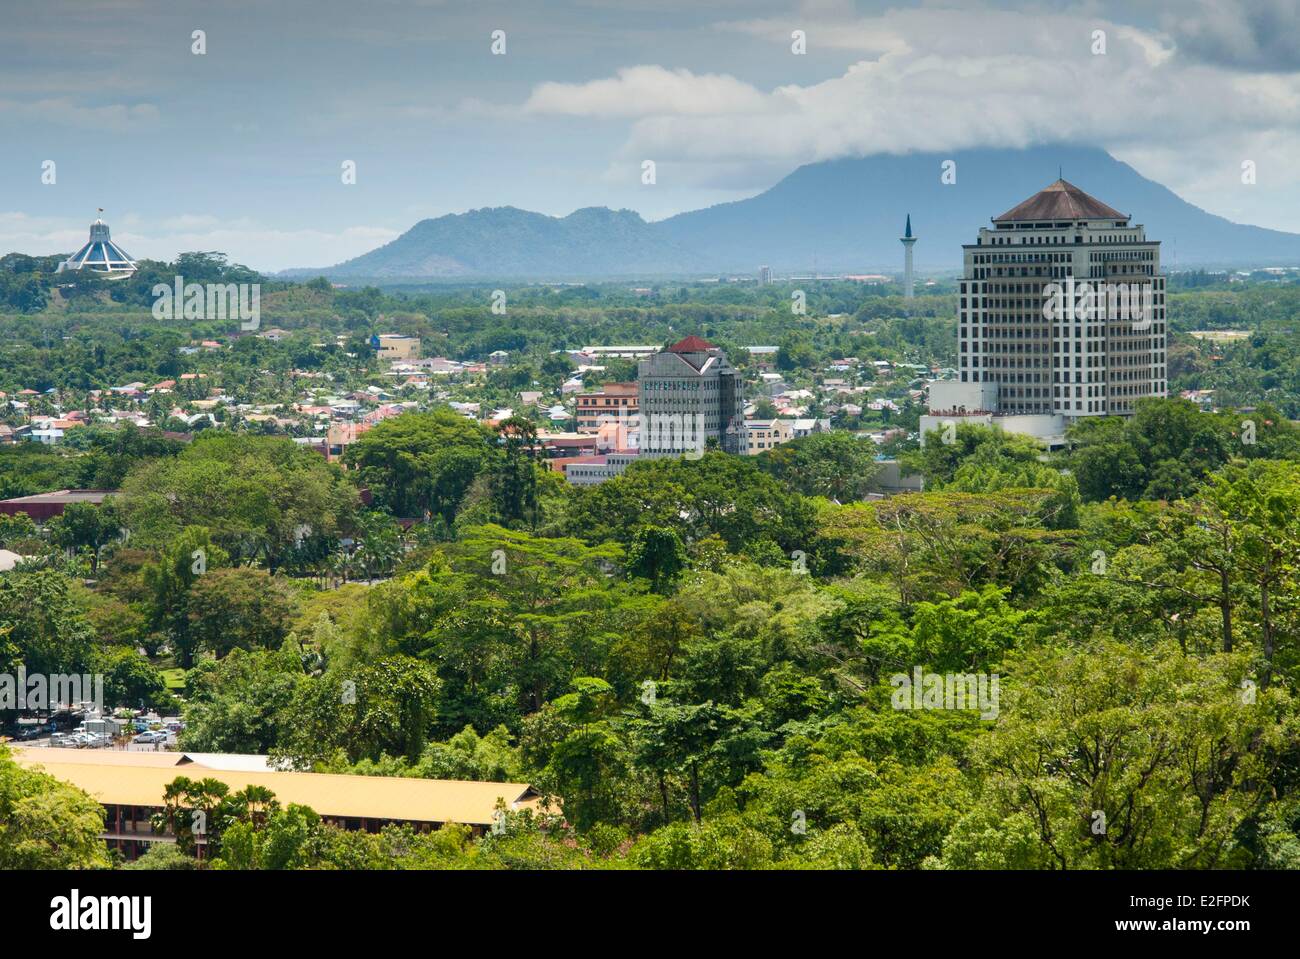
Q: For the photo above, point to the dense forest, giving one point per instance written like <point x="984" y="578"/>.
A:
<point x="698" y="661"/>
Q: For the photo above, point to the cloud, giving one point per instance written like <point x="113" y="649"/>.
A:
<point x="649" y="91"/>
<point x="949" y="79"/>
<point x="1249" y="34"/>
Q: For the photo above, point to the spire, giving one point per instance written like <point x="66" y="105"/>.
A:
<point x="908" y="231"/>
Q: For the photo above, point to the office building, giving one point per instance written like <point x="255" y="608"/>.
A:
<point x="1061" y="315"/>
<point x="690" y="396"/>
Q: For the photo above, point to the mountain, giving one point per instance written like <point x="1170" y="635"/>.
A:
<point x="507" y="242"/>
<point x="848" y="214"/>
<point x="835" y="216"/>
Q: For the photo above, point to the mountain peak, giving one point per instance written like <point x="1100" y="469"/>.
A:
<point x="837" y="216"/>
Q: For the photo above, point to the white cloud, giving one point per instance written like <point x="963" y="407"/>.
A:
<point x="110" y="116"/>
<point x="948" y="79"/>
<point x="649" y="91"/>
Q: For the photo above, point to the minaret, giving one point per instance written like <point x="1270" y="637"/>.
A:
<point x="907" y="240"/>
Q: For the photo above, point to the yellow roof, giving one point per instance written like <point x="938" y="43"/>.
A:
<point x="45" y="755"/>
<point x="48" y="755"/>
<point x="136" y="783"/>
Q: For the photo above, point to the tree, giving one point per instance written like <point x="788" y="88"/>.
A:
<point x="286" y="839"/>
<point x="795" y="353"/>
<point x="1108" y="757"/>
<point x="708" y="745"/>
<point x="588" y="764"/>
<point x="169" y="580"/>
<point x="1260" y="500"/>
<point x="42" y="626"/>
<point x="719" y="494"/>
<point x="421" y="462"/>
<point x="256" y="494"/>
<point x="239" y="608"/>
<point x="378" y="544"/>
<point x="658" y="555"/>
<point x="506" y="616"/>
<point x="514" y="478"/>
<point x="130" y="679"/>
<point x="240" y="704"/>
<point x="46" y="823"/>
<point x="388" y="706"/>
<point x="85" y="525"/>
<point x="195" y="812"/>
<point x="836" y="465"/>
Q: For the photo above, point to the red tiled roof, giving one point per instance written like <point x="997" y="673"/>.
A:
<point x="1060" y="201"/>
<point x="692" y="344"/>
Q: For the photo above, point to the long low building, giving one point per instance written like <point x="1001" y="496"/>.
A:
<point x="130" y="786"/>
<point x="45" y="506"/>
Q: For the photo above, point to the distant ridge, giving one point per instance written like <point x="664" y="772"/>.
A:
<point x="508" y="242"/>
<point x="840" y="215"/>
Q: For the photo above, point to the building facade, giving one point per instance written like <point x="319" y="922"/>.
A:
<point x="763" y="435"/>
<point x="604" y="405"/>
<point x="689" y="395"/>
<point x="1062" y="308"/>
<point x="394" y="347"/>
<point x="130" y="786"/>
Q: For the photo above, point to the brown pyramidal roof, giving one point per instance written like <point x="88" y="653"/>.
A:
<point x="692" y="344"/>
<point x="1061" y="201"/>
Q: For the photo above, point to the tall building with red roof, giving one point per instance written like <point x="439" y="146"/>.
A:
<point x="689" y="396"/>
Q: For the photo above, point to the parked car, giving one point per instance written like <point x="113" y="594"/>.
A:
<point x="149" y="737"/>
<point x="83" y="739"/>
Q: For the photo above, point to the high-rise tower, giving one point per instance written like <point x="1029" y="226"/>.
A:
<point x="908" y="242"/>
<point x="1089" y="358"/>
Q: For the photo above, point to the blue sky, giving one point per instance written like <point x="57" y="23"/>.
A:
<point x="240" y="149"/>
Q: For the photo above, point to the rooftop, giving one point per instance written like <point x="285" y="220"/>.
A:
<point x="64" y="496"/>
<point x="1060" y="201"/>
<point x="111" y="778"/>
<point x="692" y="344"/>
<point x="100" y="254"/>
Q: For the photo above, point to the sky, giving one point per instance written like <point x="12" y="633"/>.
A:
<point x="241" y="149"/>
